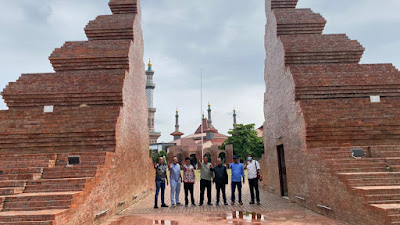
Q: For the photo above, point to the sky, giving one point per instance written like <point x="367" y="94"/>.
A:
<point x="225" y="37"/>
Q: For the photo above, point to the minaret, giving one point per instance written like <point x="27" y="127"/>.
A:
<point x="209" y="131"/>
<point x="234" y="118"/>
<point x="150" y="86"/>
<point x="209" y="122"/>
<point x="177" y="134"/>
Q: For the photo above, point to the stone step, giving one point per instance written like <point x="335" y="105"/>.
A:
<point x="376" y="190"/>
<point x="68" y="172"/>
<point x="29" y="217"/>
<point x="391" y="209"/>
<point x="363" y="175"/>
<point x="374" y="181"/>
<point x="11" y="190"/>
<point x="19" y="170"/>
<point x="38" y="201"/>
<point x="55" y="185"/>
<point x="383" y="197"/>
<point x="12" y="183"/>
<point x="28" y="176"/>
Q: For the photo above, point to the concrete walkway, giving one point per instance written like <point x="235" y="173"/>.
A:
<point x="273" y="210"/>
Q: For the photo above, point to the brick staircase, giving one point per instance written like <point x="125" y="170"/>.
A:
<point x="34" y="188"/>
<point x="376" y="177"/>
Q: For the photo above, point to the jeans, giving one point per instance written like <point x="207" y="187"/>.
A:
<point x="188" y="188"/>
<point x="175" y="190"/>
<point x="253" y="183"/>
<point x="159" y="185"/>
<point x="239" y="186"/>
<point x="220" y="187"/>
<point x="203" y="185"/>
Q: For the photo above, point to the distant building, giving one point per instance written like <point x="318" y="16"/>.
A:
<point x="150" y="86"/>
<point x="191" y="145"/>
<point x="260" y="131"/>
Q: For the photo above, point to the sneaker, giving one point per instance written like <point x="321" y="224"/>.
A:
<point x="240" y="203"/>
<point x="225" y="203"/>
<point x="172" y="205"/>
<point x="178" y="204"/>
<point x="251" y="203"/>
<point x="164" y="206"/>
<point x="155" y="207"/>
<point x="258" y="203"/>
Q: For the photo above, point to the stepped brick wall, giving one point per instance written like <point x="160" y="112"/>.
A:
<point x="318" y="106"/>
<point x="100" y="116"/>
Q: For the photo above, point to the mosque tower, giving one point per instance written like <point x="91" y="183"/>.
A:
<point x="150" y="86"/>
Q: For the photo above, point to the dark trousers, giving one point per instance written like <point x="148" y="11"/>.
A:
<point x="239" y="186"/>
<point x="220" y="187"/>
<point x="253" y="183"/>
<point x="203" y="185"/>
<point x="188" y="188"/>
<point x="159" y="185"/>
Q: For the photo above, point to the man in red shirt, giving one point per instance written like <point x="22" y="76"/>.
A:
<point x="188" y="181"/>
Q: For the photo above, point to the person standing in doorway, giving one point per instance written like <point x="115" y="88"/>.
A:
<point x="205" y="179"/>
<point x="161" y="178"/>
<point x="253" y="169"/>
<point x="237" y="175"/>
<point x="176" y="181"/>
<point x="220" y="180"/>
<point x="189" y="179"/>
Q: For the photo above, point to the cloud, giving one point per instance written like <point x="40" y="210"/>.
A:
<point x="225" y="37"/>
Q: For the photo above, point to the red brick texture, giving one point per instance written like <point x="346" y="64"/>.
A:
<point x="317" y="105"/>
<point x="100" y="115"/>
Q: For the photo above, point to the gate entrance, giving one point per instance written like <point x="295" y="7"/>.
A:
<point x="282" y="170"/>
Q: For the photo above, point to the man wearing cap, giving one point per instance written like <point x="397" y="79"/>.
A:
<point x="237" y="175"/>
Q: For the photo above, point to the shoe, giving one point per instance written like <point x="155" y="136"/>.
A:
<point x="172" y="205"/>
<point x="200" y="204"/>
<point x="258" y="203"/>
<point x="178" y="204"/>
<point x="193" y="204"/>
<point x="164" y="206"/>
<point x="217" y="203"/>
<point x="209" y="203"/>
<point x="186" y="205"/>
<point x="240" y="203"/>
<point x="225" y="203"/>
<point x="251" y="203"/>
<point x="233" y="203"/>
<point x="155" y="207"/>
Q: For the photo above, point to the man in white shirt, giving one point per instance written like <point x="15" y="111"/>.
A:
<point x="253" y="168"/>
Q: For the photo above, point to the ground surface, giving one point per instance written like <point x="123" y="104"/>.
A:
<point x="273" y="210"/>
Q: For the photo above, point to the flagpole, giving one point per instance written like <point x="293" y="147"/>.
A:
<point x="201" y="100"/>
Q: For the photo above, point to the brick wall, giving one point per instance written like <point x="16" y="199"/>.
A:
<point x="317" y="105"/>
<point x="100" y="115"/>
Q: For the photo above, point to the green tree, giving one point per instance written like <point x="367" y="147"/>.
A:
<point x="245" y="141"/>
<point x="158" y="155"/>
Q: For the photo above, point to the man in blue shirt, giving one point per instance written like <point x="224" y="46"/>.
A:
<point x="176" y="179"/>
<point x="237" y="174"/>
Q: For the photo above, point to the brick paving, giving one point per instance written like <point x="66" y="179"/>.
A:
<point x="273" y="209"/>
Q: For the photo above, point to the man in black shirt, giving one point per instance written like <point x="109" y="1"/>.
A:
<point x="220" y="179"/>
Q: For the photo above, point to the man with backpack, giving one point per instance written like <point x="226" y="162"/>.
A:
<point x="253" y="170"/>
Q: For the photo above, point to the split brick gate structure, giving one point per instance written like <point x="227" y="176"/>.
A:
<point x="320" y="104"/>
<point x="87" y="156"/>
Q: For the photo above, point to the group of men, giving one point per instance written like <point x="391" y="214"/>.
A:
<point x="208" y="174"/>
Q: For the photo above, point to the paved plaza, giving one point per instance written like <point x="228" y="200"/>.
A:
<point x="273" y="210"/>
